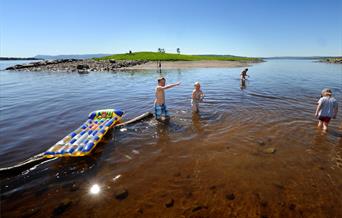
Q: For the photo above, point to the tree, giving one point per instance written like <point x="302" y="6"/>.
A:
<point x="178" y="50"/>
<point x="159" y="50"/>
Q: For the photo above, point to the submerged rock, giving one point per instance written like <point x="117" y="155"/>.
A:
<point x="261" y="142"/>
<point x="230" y="196"/>
<point x="121" y="194"/>
<point x="62" y="207"/>
<point x="30" y="212"/>
<point x="169" y="203"/>
<point x="269" y="150"/>
<point x="199" y="207"/>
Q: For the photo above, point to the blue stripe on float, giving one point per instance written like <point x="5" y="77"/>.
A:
<point x="103" y="131"/>
<point x="90" y="131"/>
<point x="73" y="134"/>
<point x="92" y="115"/>
<point x="84" y="126"/>
<point x="109" y="123"/>
<point x="95" y="132"/>
<point x="96" y="138"/>
<point x="80" y="148"/>
<point x="88" y="147"/>
<point x="72" y="141"/>
<point x="82" y="133"/>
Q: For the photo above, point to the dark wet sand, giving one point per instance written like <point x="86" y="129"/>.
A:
<point x="215" y="174"/>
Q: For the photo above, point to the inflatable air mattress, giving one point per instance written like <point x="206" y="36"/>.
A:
<point x="84" y="139"/>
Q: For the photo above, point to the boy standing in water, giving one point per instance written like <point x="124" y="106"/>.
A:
<point x="326" y="109"/>
<point x="244" y="74"/>
<point x="197" y="97"/>
<point x="159" y="103"/>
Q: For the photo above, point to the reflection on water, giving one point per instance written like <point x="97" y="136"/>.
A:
<point x="253" y="150"/>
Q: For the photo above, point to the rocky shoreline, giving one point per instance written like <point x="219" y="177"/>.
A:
<point x="75" y="65"/>
<point x="332" y="60"/>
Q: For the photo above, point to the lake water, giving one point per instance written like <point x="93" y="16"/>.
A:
<point x="213" y="164"/>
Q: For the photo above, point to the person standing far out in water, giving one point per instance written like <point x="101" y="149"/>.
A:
<point x="326" y="109"/>
<point x="243" y="74"/>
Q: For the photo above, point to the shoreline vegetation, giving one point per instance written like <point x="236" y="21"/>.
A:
<point x="137" y="61"/>
<point x="337" y="60"/>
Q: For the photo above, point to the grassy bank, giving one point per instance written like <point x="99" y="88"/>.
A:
<point x="156" y="56"/>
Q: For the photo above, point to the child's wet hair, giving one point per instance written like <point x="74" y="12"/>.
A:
<point x="160" y="79"/>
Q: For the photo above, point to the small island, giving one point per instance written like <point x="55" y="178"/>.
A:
<point x="137" y="60"/>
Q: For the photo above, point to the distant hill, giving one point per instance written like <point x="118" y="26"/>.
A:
<point x="302" y="58"/>
<point x="17" y="59"/>
<point x="76" y="56"/>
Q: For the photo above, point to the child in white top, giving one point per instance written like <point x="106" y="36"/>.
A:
<point x="197" y="97"/>
<point x="326" y="109"/>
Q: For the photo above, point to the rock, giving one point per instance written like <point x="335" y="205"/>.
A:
<point x="261" y="142"/>
<point x="140" y="210"/>
<point x="31" y="212"/>
<point x="169" y="203"/>
<point x="199" y="207"/>
<point x="121" y="194"/>
<point x="82" y="66"/>
<point x="74" y="188"/>
<point x="292" y="206"/>
<point x="112" y="61"/>
<point x="263" y="203"/>
<point x="269" y="150"/>
<point x="62" y="207"/>
<point x="230" y="196"/>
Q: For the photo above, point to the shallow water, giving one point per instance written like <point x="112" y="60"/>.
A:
<point x="218" y="163"/>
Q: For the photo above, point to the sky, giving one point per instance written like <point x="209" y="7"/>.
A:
<point x="258" y="28"/>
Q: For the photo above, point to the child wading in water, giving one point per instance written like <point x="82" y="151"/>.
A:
<point x="197" y="97"/>
<point x="326" y="109"/>
<point x="159" y="103"/>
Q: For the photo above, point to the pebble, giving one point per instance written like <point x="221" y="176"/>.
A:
<point x="121" y="194"/>
<point x="123" y="129"/>
<point x="261" y="142"/>
<point x="62" y="207"/>
<point x="116" y="177"/>
<point x="269" y="150"/>
<point x="169" y="203"/>
<point x="230" y="196"/>
<point x="31" y="212"/>
<point x="199" y="207"/>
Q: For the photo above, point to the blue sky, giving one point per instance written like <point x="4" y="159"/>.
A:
<point x="239" y="27"/>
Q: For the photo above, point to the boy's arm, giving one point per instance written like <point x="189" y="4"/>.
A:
<point x="171" y="85"/>
<point x="335" y="110"/>
<point x="193" y="94"/>
<point x="318" y="108"/>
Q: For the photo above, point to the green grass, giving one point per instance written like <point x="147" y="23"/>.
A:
<point x="156" y="56"/>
